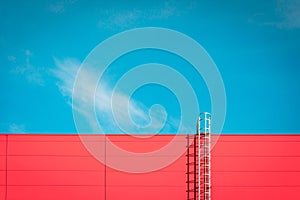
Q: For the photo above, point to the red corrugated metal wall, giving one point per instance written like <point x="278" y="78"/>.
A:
<point x="59" y="167"/>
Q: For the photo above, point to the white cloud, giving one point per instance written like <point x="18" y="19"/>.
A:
<point x="57" y="7"/>
<point x="119" y="19"/>
<point x="60" y="6"/>
<point x="16" y="128"/>
<point x="12" y="58"/>
<point x="28" y="53"/>
<point x="289" y="11"/>
<point x="285" y="15"/>
<point x="66" y="71"/>
<point x="114" y="18"/>
<point x="31" y="73"/>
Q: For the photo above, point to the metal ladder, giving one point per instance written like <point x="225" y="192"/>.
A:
<point x="198" y="160"/>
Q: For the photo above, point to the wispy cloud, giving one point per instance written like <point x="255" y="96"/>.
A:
<point x="60" y="6"/>
<point x="66" y="71"/>
<point x="11" y="58"/>
<point x="25" y="68"/>
<point x="16" y="128"/>
<point x="112" y="19"/>
<point x="289" y="11"/>
<point x="285" y="15"/>
<point x="115" y="19"/>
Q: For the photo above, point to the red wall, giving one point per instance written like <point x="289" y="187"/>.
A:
<point x="59" y="167"/>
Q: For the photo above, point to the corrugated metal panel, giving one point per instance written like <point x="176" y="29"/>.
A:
<point x="59" y="167"/>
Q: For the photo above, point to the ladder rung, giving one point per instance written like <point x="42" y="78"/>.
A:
<point x="191" y="163"/>
<point x="203" y="192"/>
<point x="191" y="154"/>
<point x="191" y="172"/>
<point x="191" y="137"/>
<point x="192" y="190"/>
<point x="191" y="181"/>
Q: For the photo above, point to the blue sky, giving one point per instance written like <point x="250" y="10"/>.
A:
<point x="255" y="46"/>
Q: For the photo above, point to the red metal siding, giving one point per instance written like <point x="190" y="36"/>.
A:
<point x="59" y="167"/>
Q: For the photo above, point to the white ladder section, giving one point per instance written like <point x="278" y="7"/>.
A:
<point x="204" y="157"/>
<point x="198" y="160"/>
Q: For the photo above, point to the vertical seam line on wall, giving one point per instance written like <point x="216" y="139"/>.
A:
<point x="6" y="176"/>
<point x="105" y="168"/>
